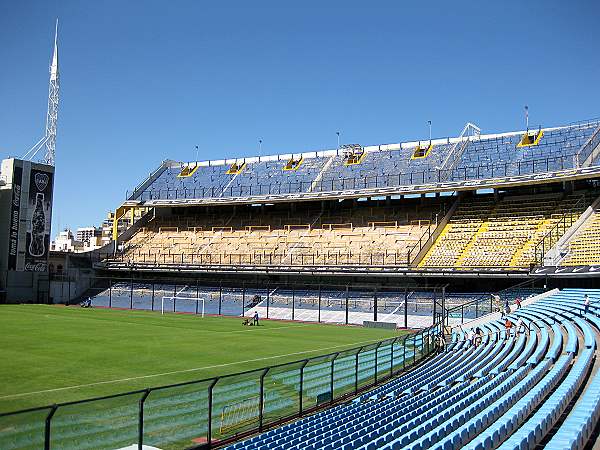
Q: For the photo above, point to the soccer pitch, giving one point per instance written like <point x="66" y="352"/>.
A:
<point x="54" y="354"/>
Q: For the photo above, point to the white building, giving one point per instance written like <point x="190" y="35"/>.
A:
<point x="85" y="239"/>
<point x="65" y="242"/>
<point x="87" y="235"/>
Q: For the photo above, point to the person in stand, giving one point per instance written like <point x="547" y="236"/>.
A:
<point x="496" y="302"/>
<point x="518" y="302"/>
<point x="471" y="337"/>
<point x="255" y="321"/>
<point x="478" y="337"/>
<point x="520" y="325"/>
<point x="586" y="303"/>
<point x="508" y="325"/>
<point x="442" y="338"/>
<point x="506" y="308"/>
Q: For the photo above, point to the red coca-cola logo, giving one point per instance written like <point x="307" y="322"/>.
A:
<point x="35" y="267"/>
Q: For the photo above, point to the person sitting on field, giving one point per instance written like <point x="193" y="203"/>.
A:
<point x="86" y="303"/>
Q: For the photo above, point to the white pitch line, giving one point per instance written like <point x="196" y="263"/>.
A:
<point x="121" y="380"/>
<point x="194" y="330"/>
<point x="263" y="329"/>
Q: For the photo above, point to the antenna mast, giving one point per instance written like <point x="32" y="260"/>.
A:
<point x="53" y="96"/>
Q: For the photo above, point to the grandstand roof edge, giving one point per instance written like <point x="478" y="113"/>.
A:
<point x="454" y="186"/>
<point x="368" y="148"/>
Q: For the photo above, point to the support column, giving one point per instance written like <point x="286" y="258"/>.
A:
<point x="375" y="305"/>
<point x="319" y="311"/>
<point x="347" y="294"/>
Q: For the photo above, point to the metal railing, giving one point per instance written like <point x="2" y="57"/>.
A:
<point x="553" y="236"/>
<point x="350" y="261"/>
<point x="314" y="259"/>
<point x="587" y="149"/>
<point x="396" y="258"/>
<point x="473" y="309"/>
<point x="149" y="179"/>
<point x="430" y="175"/>
<point x="215" y="411"/>
<point x="425" y="238"/>
<point x="335" y="303"/>
<point x="489" y="303"/>
<point x="455" y="153"/>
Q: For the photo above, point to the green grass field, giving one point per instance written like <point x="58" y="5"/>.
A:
<point x="53" y="354"/>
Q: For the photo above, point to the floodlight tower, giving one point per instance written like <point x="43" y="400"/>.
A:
<point x="53" y="96"/>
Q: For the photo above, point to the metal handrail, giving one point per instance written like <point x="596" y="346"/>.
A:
<point x="421" y="243"/>
<point x="487" y="298"/>
<point x="395" y="258"/>
<point x="587" y="148"/>
<point x="564" y="223"/>
<point x="160" y="168"/>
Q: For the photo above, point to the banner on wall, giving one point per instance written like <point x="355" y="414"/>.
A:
<point x="15" y="216"/>
<point x="38" y="223"/>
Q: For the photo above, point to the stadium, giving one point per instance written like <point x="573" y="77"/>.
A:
<point x="437" y="293"/>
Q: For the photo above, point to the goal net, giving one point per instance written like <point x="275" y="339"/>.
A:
<point x="237" y="414"/>
<point x="175" y="303"/>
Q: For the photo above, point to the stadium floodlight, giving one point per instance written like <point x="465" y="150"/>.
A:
<point x="196" y="153"/>
<point x="175" y="299"/>
<point x="338" y="139"/>
<point x="429" y="122"/>
<point x="259" y="148"/>
<point x="527" y="118"/>
<point x="49" y="138"/>
<point x="53" y="95"/>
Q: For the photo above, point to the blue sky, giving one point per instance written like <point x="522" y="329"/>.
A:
<point x="145" y="81"/>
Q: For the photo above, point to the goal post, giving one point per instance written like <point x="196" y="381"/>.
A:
<point x="198" y="303"/>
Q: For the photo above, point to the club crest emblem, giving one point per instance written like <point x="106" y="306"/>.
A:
<point x="41" y="181"/>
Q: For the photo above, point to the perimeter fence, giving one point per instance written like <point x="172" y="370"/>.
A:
<point x="208" y="412"/>
<point x="351" y="303"/>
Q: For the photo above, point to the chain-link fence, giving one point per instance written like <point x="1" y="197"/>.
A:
<point x="330" y="303"/>
<point x="487" y="303"/>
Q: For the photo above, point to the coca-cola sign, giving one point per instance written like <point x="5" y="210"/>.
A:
<point x="36" y="267"/>
<point x="39" y="217"/>
<point x="15" y="216"/>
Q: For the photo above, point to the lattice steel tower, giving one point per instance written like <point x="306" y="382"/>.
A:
<point x="53" y="95"/>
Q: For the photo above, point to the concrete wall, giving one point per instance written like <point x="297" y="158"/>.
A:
<point x="26" y="287"/>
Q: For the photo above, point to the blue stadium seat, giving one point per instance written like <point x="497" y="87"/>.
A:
<point x="383" y="166"/>
<point x="507" y="393"/>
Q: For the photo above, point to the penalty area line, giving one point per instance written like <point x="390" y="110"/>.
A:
<point x="154" y="375"/>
